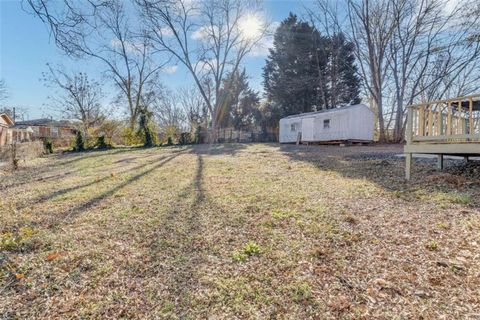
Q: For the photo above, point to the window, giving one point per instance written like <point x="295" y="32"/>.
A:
<point x="292" y="127"/>
<point x="326" y="124"/>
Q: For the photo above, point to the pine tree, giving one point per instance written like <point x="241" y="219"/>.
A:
<point x="79" y="142"/>
<point x="240" y="103"/>
<point x="291" y="74"/>
<point x="306" y="71"/>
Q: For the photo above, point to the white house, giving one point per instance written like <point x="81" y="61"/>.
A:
<point x="349" y="123"/>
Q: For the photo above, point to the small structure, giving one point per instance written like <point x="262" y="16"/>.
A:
<point x="60" y="132"/>
<point x="5" y="134"/>
<point x="443" y="127"/>
<point x="353" y="123"/>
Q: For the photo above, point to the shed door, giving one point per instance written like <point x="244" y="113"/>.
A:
<point x="307" y="129"/>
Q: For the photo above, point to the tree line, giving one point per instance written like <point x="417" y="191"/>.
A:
<point x="386" y="53"/>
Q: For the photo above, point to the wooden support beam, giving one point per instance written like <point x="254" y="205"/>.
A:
<point x="449" y="118"/>
<point x="409" y="125"/>
<point x="471" y="129"/>
<point x="430" y="120"/>
<point x="421" y="120"/>
<point x="408" y="166"/>
<point x="439" y="122"/>
<point x="440" y="162"/>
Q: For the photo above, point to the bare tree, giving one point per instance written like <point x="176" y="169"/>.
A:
<point x="3" y="91"/>
<point x="102" y="30"/>
<point x="429" y="47"/>
<point x="193" y="105"/>
<point x="77" y="97"/>
<point x="210" y="38"/>
<point x="408" y="51"/>
<point x="167" y="110"/>
<point x="372" y="24"/>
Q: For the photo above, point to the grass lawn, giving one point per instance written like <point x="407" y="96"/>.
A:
<point x="246" y="231"/>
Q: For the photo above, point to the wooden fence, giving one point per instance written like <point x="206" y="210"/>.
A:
<point x="230" y="135"/>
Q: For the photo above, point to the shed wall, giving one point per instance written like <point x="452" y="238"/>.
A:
<point x="353" y="123"/>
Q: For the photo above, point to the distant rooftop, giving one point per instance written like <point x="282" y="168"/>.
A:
<point x="45" y="122"/>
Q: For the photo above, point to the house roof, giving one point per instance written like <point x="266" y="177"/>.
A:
<point x="324" y="111"/>
<point x="45" y="122"/>
<point x="7" y="119"/>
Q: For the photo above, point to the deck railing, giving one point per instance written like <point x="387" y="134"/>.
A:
<point x="454" y="120"/>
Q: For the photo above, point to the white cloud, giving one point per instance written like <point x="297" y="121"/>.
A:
<point x="170" y="69"/>
<point x="166" y="32"/>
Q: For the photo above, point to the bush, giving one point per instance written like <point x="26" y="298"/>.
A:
<point x="48" y="146"/>
<point x="130" y="137"/>
<point x="170" y="141"/>
<point x="185" y="138"/>
<point x="79" y="142"/>
<point x="102" y="144"/>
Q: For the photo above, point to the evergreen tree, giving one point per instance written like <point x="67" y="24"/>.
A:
<point x="79" y="142"/>
<point x="306" y="71"/>
<point x="291" y="76"/>
<point x="239" y="102"/>
<point x="344" y="83"/>
<point x="145" y="127"/>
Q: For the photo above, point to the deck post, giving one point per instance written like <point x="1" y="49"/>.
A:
<point x="408" y="156"/>
<point x="440" y="162"/>
<point x="408" y="165"/>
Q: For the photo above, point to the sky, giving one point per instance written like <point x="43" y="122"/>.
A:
<point x="26" y="47"/>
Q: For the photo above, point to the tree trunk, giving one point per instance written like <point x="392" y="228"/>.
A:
<point x="381" y="123"/>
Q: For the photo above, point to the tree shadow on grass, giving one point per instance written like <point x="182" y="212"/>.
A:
<point x="179" y="245"/>
<point x="23" y="177"/>
<point x="380" y="165"/>
<point x="52" y="221"/>
<point x="46" y="197"/>
<point x="231" y="149"/>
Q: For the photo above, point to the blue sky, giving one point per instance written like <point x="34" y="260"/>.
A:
<point x="26" y="48"/>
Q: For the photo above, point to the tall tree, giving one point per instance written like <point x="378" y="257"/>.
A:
<point x="294" y="75"/>
<point x="210" y="38"/>
<point x="306" y="71"/>
<point x="76" y="97"/>
<point x="240" y="104"/>
<point x="109" y="32"/>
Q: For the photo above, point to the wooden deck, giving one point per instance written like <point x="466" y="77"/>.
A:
<point x="443" y="127"/>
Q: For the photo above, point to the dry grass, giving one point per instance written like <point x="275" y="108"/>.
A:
<point x="238" y="231"/>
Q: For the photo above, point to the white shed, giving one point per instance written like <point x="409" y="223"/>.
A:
<point x="350" y="123"/>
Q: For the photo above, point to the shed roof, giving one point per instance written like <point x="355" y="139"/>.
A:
<point x="324" y="111"/>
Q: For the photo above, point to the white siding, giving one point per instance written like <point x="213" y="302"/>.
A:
<point x="351" y="123"/>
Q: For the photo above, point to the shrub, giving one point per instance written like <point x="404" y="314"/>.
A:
<point x="185" y="138"/>
<point x="102" y="144"/>
<point x="146" y="129"/>
<point x="170" y="141"/>
<point x="130" y="137"/>
<point x="79" y="142"/>
<point x="48" y="146"/>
